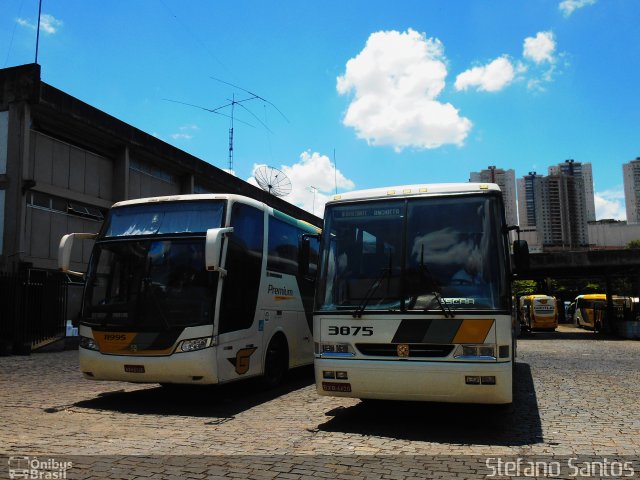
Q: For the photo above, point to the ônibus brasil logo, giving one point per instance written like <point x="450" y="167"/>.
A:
<point x="36" y="468"/>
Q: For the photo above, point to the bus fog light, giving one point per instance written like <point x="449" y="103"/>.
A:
<point x="328" y="374"/>
<point x="472" y="380"/>
<point x="469" y="350"/>
<point x="194" y="344"/>
<point x="342" y="376"/>
<point x="487" y="351"/>
<point x="488" y="380"/>
<point x="88" y="343"/>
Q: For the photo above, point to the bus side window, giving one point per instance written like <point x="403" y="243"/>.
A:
<point x="283" y="247"/>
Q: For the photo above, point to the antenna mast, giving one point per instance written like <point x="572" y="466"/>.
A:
<point x="233" y="101"/>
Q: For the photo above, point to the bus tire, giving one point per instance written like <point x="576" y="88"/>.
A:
<point x="276" y="361"/>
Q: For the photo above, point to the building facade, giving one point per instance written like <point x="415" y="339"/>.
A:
<point x="506" y="180"/>
<point x="556" y="206"/>
<point x="527" y="188"/>
<point x="561" y="216"/>
<point x="631" y="177"/>
<point x="583" y="172"/>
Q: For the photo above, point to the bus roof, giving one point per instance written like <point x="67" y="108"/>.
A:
<point x="176" y="198"/>
<point x="305" y="225"/>
<point x="415" y="190"/>
<point x="593" y="296"/>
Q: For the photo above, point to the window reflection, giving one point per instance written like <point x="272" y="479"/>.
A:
<point x="403" y="254"/>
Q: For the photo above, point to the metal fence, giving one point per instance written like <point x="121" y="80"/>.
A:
<point x="32" y="310"/>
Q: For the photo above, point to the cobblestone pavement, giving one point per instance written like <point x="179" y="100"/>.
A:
<point x="577" y="394"/>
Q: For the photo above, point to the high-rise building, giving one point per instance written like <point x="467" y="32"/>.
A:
<point x="506" y="180"/>
<point x="527" y="199"/>
<point x="560" y="213"/>
<point x="555" y="206"/>
<point x="583" y="172"/>
<point x="631" y="177"/>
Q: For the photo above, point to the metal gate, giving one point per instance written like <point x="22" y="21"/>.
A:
<point x="32" y="310"/>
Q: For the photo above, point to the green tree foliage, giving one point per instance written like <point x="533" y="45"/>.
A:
<point x="633" y="244"/>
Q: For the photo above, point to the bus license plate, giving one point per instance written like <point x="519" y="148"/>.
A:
<point x="134" y="368"/>
<point x="336" y="387"/>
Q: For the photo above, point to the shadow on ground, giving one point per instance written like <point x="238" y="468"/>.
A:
<point x="568" y="334"/>
<point x="219" y="402"/>
<point x="512" y="425"/>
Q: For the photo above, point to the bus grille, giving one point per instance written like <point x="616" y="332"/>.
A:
<point x="415" y="349"/>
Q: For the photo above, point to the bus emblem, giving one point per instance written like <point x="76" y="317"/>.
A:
<point x="133" y="347"/>
<point x="403" y="350"/>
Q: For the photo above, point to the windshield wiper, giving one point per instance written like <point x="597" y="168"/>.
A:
<point x="373" y="287"/>
<point x="435" y="288"/>
<point x="149" y="291"/>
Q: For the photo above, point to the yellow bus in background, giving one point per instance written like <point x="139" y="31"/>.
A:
<point x="539" y="312"/>
<point x="587" y="308"/>
<point x="591" y="309"/>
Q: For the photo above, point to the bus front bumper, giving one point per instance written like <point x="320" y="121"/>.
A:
<point x="196" y="368"/>
<point x="412" y="380"/>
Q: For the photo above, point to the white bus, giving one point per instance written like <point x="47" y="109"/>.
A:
<point x="195" y="289"/>
<point x="413" y="297"/>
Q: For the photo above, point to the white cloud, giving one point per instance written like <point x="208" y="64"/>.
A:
<point x="395" y="81"/>
<point x="181" y="136"/>
<point x="313" y="180"/>
<point x="489" y="78"/>
<point x="569" y="6"/>
<point x="48" y="23"/>
<point x="540" y="48"/>
<point x="184" y="133"/>
<point x="25" y="23"/>
<point x="610" y="204"/>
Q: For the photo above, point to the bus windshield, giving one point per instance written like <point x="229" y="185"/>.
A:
<point x="162" y="217"/>
<point x="155" y="278"/>
<point x="419" y="254"/>
<point x="159" y="284"/>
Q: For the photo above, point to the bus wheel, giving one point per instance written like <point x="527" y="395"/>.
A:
<point x="276" y="362"/>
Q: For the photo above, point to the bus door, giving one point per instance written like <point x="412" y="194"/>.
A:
<point x="239" y="345"/>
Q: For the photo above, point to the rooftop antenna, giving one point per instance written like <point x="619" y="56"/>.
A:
<point x="38" y="29"/>
<point x="314" y="190"/>
<point x="335" y="171"/>
<point x="253" y="96"/>
<point x="232" y="103"/>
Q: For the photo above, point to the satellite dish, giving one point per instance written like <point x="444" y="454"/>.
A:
<point x="273" y="181"/>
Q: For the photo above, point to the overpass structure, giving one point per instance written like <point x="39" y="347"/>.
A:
<point x="590" y="263"/>
<point x="605" y="264"/>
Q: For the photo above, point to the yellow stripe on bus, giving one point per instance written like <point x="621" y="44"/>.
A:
<point x="473" y="331"/>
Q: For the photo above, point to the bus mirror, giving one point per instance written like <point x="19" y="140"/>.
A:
<point x="213" y="248"/>
<point x="306" y="269"/>
<point x="521" y="255"/>
<point x="65" y="248"/>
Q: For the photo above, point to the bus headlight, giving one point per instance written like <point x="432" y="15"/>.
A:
<point x="88" y="343"/>
<point x="193" y="344"/>
<point x="471" y="352"/>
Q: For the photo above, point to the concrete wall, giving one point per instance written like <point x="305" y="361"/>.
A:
<point x="613" y="234"/>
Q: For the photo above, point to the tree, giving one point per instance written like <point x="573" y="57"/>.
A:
<point x="633" y="244"/>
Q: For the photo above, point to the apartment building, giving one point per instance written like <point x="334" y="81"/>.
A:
<point x="506" y="180"/>
<point x="631" y="178"/>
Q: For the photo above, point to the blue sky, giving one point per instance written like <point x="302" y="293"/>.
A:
<point x="403" y="92"/>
